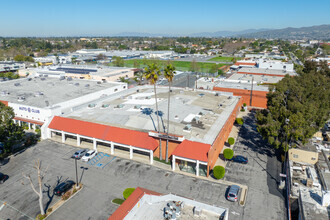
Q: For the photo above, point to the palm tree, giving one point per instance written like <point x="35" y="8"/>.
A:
<point x="152" y="73"/>
<point x="169" y="72"/>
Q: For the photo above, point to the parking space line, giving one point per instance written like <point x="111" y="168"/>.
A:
<point x="108" y="162"/>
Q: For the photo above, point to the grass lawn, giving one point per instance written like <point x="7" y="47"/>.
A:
<point x="223" y="59"/>
<point x="179" y="65"/>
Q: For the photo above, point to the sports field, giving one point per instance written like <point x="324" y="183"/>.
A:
<point x="179" y="65"/>
<point x="223" y="59"/>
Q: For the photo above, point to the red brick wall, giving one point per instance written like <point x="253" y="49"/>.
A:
<point x="222" y="137"/>
<point x="259" y="98"/>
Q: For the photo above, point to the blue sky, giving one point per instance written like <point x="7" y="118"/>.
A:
<point x="106" y="17"/>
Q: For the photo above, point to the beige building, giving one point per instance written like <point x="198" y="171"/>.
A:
<point x="304" y="155"/>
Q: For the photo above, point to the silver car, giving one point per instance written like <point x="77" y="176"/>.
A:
<point x="79" y="154"/>
<point x="233" y="193"/>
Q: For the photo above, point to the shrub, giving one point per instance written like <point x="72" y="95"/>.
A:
<point x="118" y="201"/>
<point x="231" y="141"/>
<point x="239" y="121"/>
<point x="66" y="195"/>
<point x="219" y="172"/>
<point x="127" y="192"/>
<point x="242" y="110"/>
<point x="41" y="217"/>
<point x="228" y="153"/>
<point x="74" y="190"/>
<point x="49" y="210"/>
<point x="244" y="104"/>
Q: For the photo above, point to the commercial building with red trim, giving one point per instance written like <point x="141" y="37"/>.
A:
<point x="110" y="117"/>
<point x="197" y="122"/>
<point x="143" y="202"/>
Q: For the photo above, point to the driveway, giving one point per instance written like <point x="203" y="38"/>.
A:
<point x="261" y="174"/>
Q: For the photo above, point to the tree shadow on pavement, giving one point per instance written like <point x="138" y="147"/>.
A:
<point x="50" y="193"/>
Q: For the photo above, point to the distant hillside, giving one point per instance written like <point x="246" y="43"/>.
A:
<point x="313" y="32"/>
<point x="227" y="33"/>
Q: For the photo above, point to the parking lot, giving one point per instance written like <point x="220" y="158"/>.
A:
<point x="261" y="174"/>
<point x="107" y="178"/>
<point x="102" y="183"/>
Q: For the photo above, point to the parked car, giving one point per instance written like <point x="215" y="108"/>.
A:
<point x="89" y="155"/>
<point x="79" y="154"/>
<point x="3" y="177"/>
<point x="233" y="193"/>
<point x="63" y="187"/>
<point x="240" y="159"/>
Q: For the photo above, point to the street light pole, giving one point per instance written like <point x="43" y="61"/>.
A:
<point x="75" y="160"/>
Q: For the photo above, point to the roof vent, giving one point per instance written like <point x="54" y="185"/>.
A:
<point x="69" y="79"/>
<point x="42" y="79"/>
<point x="47" y="103"/>
<point x="17" y="84"/>
<point x="87" y="85"/>
<point x="4" y="93"/>
<point x="29" y="79"/>
<point x="62" y="77"/>
<point x="99" y="82"/>
<point x="21" y="99"/>
<point x="39" y="94"/>
<point x="76" y="84"/>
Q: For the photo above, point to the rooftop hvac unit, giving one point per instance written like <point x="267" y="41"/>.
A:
<point x="76" y="84"/>
<point x="42" y="79"/>
<point x="69" y="79"/>
<point x="197" y="211"/>
<point x="62" y="77"/>
<point x="99" y="82"/>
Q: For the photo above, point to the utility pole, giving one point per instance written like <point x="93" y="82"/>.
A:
<point x="75" y="160"/>
<point x="251" y="92"/>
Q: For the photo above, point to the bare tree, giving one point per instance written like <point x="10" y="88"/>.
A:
<point x="41" y="175"/>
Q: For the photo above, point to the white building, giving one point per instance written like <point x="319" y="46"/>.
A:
<point x="275" y="65"/>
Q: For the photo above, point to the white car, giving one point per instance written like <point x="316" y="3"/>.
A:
<point x="89" y="155"/>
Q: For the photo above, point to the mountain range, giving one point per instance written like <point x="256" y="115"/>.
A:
<point x="320" y="32"/>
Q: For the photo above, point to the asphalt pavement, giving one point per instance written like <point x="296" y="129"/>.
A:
<point x="261" y="174"/>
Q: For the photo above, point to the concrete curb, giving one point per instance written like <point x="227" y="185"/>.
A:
<point x="63" y="202"/>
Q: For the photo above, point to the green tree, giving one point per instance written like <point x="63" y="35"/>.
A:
<point x="228" y="153"/>
<point x="118" y="61"/>
<point x="10" y="133"/>
<point x="127" y="192"/>
<point x="169" y="72"/>
<point x="19" y="58"/>
<point x="231" y="141"/>
<point x="297" y="107"/>
<point x="219" y="172"/>
<point x="124" y="80"/>
<point x="139" y="77"/>
<point x="152" y="73"/>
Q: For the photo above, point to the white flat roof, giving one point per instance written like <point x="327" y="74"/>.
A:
<point x="124" y="109"/>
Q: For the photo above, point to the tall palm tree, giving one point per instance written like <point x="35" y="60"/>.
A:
<point x="169" y="72"/>
<point x="152" y="73"/>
